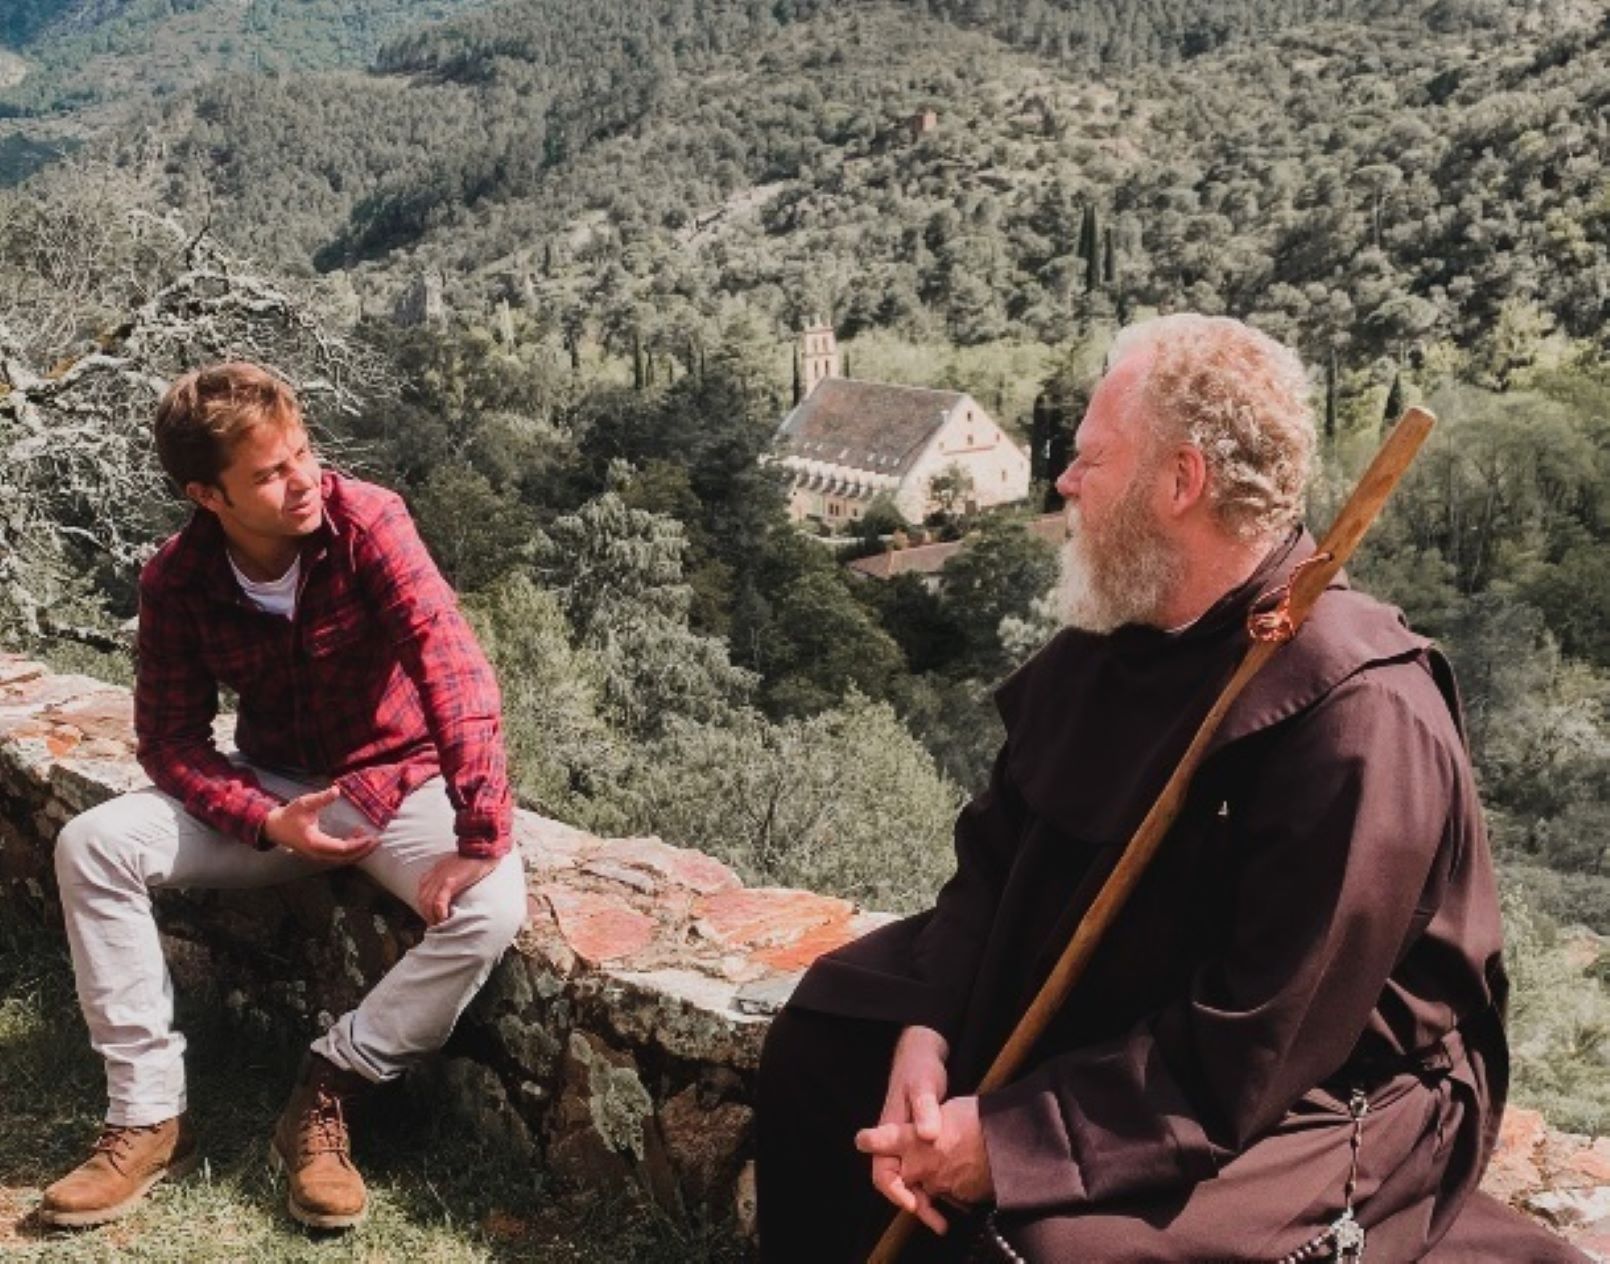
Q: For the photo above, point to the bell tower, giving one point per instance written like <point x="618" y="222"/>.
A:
<point x="818" y="354"/>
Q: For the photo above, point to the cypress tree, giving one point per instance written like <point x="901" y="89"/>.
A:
<point x="1040" y="440"/>
<point x="1330" y="395"/>
<point x="1090" y="249"/>
<point x="1087" y="231"/>
<point x="1394" y="402"/>
<point x="1057" y="410"/>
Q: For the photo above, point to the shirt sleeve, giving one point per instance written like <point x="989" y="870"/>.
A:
<point x="1333" y="846"/>
<point x="175" y="703"/>
<point x="459" y="693"/>
<point x="947" y="952"/>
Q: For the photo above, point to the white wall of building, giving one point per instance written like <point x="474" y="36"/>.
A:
<point x="971" y="439"/>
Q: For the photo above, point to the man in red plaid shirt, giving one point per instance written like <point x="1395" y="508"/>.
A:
<point x="369" y="735"/>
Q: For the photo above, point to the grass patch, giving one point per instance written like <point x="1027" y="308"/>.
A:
<point x="438" y="1192"/>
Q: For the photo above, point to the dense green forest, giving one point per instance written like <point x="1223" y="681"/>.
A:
<point x="86" y="53"/>
<point x="540" y="266"/>
<point x="23" y="19"/>
<point x="630" y="177"/>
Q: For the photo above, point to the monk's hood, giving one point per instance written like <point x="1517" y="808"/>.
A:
<point x="1095" y="724"/>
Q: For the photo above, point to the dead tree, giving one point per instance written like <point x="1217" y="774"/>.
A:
<point x="101" y="304"/>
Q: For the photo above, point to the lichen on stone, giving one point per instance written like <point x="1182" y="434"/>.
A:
<point x="617" y="1100"/>
<point x="527" y="1041"/>
<point x="350" y="957"/>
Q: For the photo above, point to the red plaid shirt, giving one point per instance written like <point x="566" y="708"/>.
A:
<point x="377" y="682"/>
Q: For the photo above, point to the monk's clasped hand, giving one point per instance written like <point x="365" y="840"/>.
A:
<point x="952" y="1165"/>
<point x="918" y="1082"/>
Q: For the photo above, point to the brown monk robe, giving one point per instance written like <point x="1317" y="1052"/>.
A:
<point x="1322" y="919"/>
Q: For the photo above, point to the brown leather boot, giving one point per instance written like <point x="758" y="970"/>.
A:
<point x="310" y="1142"/>
<point x="125" y="1163"/>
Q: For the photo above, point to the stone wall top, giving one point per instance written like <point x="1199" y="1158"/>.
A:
<point x="674" y="928"/>
<point x="618" y="1040"/>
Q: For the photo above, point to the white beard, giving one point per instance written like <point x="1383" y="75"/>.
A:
<point x="1121" y="572"/>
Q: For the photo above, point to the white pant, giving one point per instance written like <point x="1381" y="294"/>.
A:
<point x="109" y="860"/>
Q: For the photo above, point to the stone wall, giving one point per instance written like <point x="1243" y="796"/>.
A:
<point x="618" y="1040"/>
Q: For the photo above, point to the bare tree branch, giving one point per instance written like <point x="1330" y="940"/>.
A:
<point x="104" y="298"/>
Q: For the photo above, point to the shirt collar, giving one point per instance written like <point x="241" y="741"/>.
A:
<point x="202" y="558"/>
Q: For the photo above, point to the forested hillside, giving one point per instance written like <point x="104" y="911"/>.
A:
<point x="82" y="53"/>
<point x="23" y="19"/>
<point x="540" y="267"/>
<point x="1366" y="187"/>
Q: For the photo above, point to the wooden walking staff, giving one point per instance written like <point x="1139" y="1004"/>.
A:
<point x="1269" y="629"/>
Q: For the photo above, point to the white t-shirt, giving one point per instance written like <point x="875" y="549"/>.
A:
<point x="277" y="596"/>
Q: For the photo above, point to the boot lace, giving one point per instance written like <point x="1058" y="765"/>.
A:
<point x="324" y="1126"/>
<point x="116" y="1140"/>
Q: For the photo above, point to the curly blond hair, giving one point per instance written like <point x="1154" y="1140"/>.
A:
<point x="1242" y="399"/>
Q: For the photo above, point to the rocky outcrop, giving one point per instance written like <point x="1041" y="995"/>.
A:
<point x="1558" y="1177"/>
<point x="619" y="1040"/>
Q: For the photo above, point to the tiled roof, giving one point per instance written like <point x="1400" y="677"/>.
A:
<point x="866" y="425"/>
<point x="922" y="559"/>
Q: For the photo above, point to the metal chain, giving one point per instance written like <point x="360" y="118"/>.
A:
<point x="1346" y="1235"/>
<point x="1001" y="1243"/>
